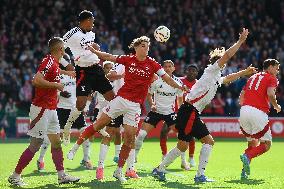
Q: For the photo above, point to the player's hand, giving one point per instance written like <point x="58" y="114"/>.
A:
<point x="59" y="86"/>
<point x="250" y="70"/>
<point x="65" y="94"/>
<point x="71" y="73"/>
<point x="278" y="108"/>
<point x="154" y="108"/>
<point x="243" y="36"/>
<point x="184" y="88"/>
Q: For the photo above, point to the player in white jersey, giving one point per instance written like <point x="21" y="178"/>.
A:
<point x="162" y="107"/>
<point x="89" y="73"/>
<point x="188" y="122"/>
<point x="66" y="102"/>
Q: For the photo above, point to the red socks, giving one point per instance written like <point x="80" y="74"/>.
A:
<point x="123" y="155"/>
<point x="191" y="148"/>
<point x="57" y="157"/>
<point x="253" y="152"/>
<point x="87" y="133"/>
<point x="24" y="160"/>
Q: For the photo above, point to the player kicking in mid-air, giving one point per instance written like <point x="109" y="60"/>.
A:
<point x="189" y="80"/>
<point x="43" y="116"/>
<point x="89" y="73"/>
<point x="188" y="122"/>
<point x="139" y="72"/>
<point x="66" y="102"/>
<point x="162" y="108"/>
<point x="254" y="99"/>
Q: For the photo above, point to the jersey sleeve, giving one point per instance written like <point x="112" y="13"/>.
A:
<point x="119" y="69"/>
<point x="45" y="66"/>
<point x="123" y="59"/>
<point x="273" y="82"/>
<point x="157" y="68"/>
<point x="221" y="81"/>
<point x="213" y="68"/>
<point x="63" y="62"/>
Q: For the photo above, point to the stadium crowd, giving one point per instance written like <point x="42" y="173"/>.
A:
<point x="196" y="28"/>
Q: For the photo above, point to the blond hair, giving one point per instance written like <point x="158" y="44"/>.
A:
<point x="168" y="61"/>
<point x="137" y="41"/>
<point x="216" y="54"/>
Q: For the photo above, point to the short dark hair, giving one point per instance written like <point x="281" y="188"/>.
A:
<point x="269" y="62"/>
<point x="85" y="15"/>
<point x="192" y="66"/>
<point x="54" y="42"/>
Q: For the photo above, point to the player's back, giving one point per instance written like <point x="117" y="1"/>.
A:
<point x="255" y="90"/>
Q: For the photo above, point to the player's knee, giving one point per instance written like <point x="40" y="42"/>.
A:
<point x="267" y="145"/>
<point x="35" y="144"/>
<point x="56" y="144"/>
<point x="80" y="106"/>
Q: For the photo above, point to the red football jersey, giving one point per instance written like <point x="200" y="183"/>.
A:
<point x="256" y="90"/>
<point x="47" y="98"/>
<point x="138" y="77"/>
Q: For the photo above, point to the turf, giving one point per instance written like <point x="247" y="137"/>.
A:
<point x="267" y="171"/>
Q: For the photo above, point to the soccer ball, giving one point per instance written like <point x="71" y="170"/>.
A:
<point x="162" y="34"/>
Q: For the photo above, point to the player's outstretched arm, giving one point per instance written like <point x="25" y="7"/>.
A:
<point x="172" y="82"/>
<point x="40" y="82"/>
<point x="112" y="76"/>
<point x="103" y="55"/>
<point x="272" y="99"/>
<point x="234" y="48"/>
<point x="234" y="76"/>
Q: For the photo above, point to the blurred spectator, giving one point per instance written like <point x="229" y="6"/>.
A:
<point x="230" y="105"/>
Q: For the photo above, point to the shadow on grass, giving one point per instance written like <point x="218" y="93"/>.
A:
<point x="247" y="182"/>
<point x="38" y="173"/>
<point x="176" y="184"/>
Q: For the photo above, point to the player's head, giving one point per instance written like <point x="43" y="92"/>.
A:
<point x="169" y="67"/>
<point x="86" y="20"/>
<point x="216" y="54"/>
<point x="56" y="46"/>
<point x="107" y="65"/>
<point x="192" y="72"/>
<point x="140" y="45"/>
<point x="271" y="66"/>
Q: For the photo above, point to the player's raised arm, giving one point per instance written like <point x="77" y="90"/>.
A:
<point x="234" y="76"/>
<point x="40" y="82"/>
<point x="172" y="82"/>
<point x="233" y="49"/>
<point x="103" y="55"/>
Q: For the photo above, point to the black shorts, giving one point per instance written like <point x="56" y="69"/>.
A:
<point x="154" y="118"/>
<point x="117" y="122"/>
<point x="189" y="124"/>
<point x="63" y="115"/>
<point x="90" y="79"/>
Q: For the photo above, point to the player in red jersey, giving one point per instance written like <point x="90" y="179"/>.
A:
<point x="254" y="99"/>
<point x="139" y="71"/>
<point x="43" y="116"/>
<point x="189" y="80"/>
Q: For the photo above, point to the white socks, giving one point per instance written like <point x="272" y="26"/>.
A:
<point x="117" y="150"/>
<point x="86" y="147"/>
<point x="183" y="158"/>
<point x="203" y="158"/>
<point x="130" y="160"/>
<point x="74" y="114"/>
<point x="43" y="149"/>
<point x="170" y="157"/>
<point x="102" y="155"/>
<point x="139" y="141"/>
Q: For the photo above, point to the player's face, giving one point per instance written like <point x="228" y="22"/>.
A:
<point x="62" y="49"/>
<point x="142" y="49"/>
<point x="89" y="24"/>
<point x="169" y="68"/>
<point x="107" y="68"/>
<point x="192" y="73"/>
<point x="275" y="69"/>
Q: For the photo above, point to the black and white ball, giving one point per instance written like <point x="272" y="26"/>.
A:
<point x="162" y="34"/>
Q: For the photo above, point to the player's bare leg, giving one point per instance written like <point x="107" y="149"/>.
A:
<point x="127" y="148"/>
<point x="191" y="149"/>
<point x="99" y="124"/>
<point x="117" y="143"/>
<point x="74" y="114"/>
<point x="43" y="149"/>
<point x="86" y="162"/>
<point x="146" y="128"/>
<point x="109" y="95"/>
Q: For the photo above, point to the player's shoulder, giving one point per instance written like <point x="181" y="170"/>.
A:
<point x="48" y="59"/>
<point x="177" y="79"/>
<point x="76" y="31"/>
<point x="152" y="60"/>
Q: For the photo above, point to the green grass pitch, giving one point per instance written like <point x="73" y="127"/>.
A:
<point x="267" y="171"/>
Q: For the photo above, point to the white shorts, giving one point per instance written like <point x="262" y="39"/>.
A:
<point x="253" y="120"/>
<point x="130" y="110"/>
<point x="43" y="122"/>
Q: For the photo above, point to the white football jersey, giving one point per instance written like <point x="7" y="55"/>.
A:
<point x="78" y="41"/>
<point x="69" y="86"/>
<point x="117" y="84"/>
<point x="204" y="90"/>
<point x="165" y="95"/>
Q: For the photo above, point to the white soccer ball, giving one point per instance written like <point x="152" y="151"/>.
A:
<point x="162" y="34"/>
